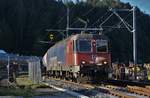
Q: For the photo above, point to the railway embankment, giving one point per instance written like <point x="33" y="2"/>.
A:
<point x="24" y="88"/>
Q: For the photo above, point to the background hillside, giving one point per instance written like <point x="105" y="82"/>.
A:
<point x="23" y="25"/>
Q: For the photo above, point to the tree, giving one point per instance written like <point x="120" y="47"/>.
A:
<point x="23" y="24"/>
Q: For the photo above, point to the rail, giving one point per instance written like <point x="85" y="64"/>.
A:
<point x="78" y="95"/>
<point x="114" y="92"/>
<point x="139" y="90"/>
<point x="88" y="86"/>
<point x="148" y="87"/>
<point x="110" y="90"/>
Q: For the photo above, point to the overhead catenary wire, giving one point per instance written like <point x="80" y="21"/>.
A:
<point x="128" y="27"/>
<point x="99" y="18"/>
<point x="136" y="18"/>
<point x="117" y="25"/>
<point x="90" y="10"/>
<point x="62" y="18"/>
<point x="106" y="19"/>
<point x="58" y="23"/>
<point x="129" y="20"/>
<point x="122" y="20"/>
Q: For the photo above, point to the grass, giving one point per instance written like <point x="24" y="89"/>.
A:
<point x="26" y="88"/>
<point x="23" y="81"/>
<point x="15" y="92"/>
<point x="20" y="92"/>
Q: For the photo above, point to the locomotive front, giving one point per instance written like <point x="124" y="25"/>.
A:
<point x="92" y="54"/>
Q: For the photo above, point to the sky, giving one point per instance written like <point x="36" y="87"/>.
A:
<point x="144" y="5"/>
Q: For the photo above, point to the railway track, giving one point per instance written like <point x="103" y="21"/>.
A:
<point x="99" y="91"/>
<point x="139" y="90"/>
<point x="84" y="89"/>
<point x="131" y="91"/>
<point x="148" y="87"/>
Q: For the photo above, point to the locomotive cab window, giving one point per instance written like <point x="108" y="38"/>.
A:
<point x="84" y="45"/>
<point x="101" y="45"/>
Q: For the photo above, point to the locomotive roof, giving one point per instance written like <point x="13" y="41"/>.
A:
<point x="88" y="36"/>
<point x="83" y="36"/>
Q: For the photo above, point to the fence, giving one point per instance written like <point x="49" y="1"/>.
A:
<point x="34" y="71"/>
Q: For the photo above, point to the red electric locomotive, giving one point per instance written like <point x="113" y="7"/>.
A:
<point x="81" y="57"/>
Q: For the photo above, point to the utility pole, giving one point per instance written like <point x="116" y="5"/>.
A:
<point x="67" y="28"/>
<point x="134" y="42"/>
<point x="134" y="37"/>
<point x="8" y="67"/>
<point x="67" y="25"/>
<point x="130" y="28"/>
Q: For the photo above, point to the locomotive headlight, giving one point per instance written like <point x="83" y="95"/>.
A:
<point x="105" y="62"/>
<point x="83" y="62"/>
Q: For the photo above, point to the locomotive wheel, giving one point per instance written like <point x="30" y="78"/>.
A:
<point x="82" y="79"/>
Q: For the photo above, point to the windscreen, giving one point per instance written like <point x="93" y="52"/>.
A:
<point x="101" y="45"/>
<point x="84" y="45"/>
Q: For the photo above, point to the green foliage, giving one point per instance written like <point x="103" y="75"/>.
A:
<point x="16" y="92"/>
<point x="101" y="3"/>
<point x="23" y="24"/>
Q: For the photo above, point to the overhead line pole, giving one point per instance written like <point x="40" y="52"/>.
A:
<point x="134" y="37"/>
<point x="134" y="43"/>
<point x="8" y="67"/>
<point x="128" y="26"/>
<point x="67" y="28"/>
<point x="135" y="61"/>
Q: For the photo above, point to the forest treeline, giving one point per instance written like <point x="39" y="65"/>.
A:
<point x="23" y="25"/>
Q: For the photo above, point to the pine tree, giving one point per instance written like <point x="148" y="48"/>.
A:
<point x="77" y="1"/>
<point x="103" y="2"/>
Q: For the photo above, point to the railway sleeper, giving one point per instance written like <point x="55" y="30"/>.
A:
<point x="120" y="95"/>
<point x="114" y="93"/>
<point x="139" y="90"/>
<point x="112" y="87"/>
<point x="116" y="88"/>
<point x="140" y="93"/>
<point x="148" y="87"/>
